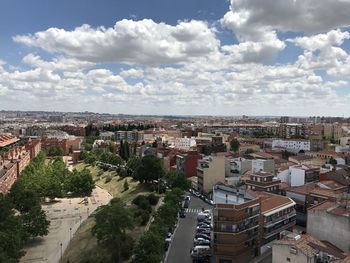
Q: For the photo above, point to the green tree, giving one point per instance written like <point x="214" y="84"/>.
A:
<point x="112" y="221"/>
<point x="234" y="144"/>
<point x="132" y="166"/>
<point x="80" y="183"/>
<point x="55" y="151"/>
<point x="150" y="169"/>
<point x="177" y="180"/>
<point x="35" y="222"/>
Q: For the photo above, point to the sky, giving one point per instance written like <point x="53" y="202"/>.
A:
<point x="184" y="57"/>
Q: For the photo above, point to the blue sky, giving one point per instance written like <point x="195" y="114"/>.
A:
<point x="176" y="57"/>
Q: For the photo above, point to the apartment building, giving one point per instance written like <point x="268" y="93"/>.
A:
<point x="236" y="167"/>
<point x="263" y="181"/>
<point x="186" y="163"/>
<point x="185" y="143"/>
<point x="263" y="165"/>
<point x="297" y="175"/>
<point x="277" y="215"/>
<point x="130" y="136"/>
<point x="13" y="163"/>
<point x="292" y="145"/>
<point x="313" y="193"/>
<point x="306" y="249"/>
<point x="292" y="130"/>
<point x="330" y="220"/>
<point x="210" y="171"/>
<point x="236" y="225"/>
<point x="7" y="139"/>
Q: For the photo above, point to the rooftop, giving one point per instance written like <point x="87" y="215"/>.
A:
<point x="227" y="195"/>
<point x="334" y="208"/>
<point x="271" y="202"/>
<point x="310" y="245"/>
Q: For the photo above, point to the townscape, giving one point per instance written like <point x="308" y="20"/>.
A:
<point x="92" y="187"/>
<point x="187" y="131"/>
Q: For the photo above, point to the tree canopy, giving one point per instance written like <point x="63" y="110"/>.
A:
<point x="150" y="169"/>
<point x="234" y="144"/>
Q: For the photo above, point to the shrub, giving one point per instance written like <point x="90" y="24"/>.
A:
<point x="153" y="199"/>
<point x="145" y="215"/>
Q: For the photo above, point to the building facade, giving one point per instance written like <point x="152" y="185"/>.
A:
<point x="210" y="171"/>
<point x="236" y="225"/>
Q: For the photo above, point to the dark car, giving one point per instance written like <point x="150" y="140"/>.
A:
<point x="202" y="242"/>
<point x="182" y="213"/>
<point x="206" y="231"/>
<point x="201" y="235"/>
<point x="186" y="203"/>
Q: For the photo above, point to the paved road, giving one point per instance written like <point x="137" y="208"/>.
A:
<point x="182" y="242"/>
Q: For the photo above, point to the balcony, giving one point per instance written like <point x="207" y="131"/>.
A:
<point x="236" y="229"/>
<point x="236" y="219"/>
<point x="280" y="228"/>
<point x="279" y="219"/>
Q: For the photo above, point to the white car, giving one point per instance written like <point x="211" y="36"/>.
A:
<point x="188" y="198"/>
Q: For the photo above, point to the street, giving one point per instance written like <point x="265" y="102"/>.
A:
<point x="182" y="242"/>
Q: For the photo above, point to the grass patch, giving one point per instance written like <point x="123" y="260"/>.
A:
<point x="84" y="245"/>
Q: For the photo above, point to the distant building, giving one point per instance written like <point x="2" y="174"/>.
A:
<point x="292" y="145"/>
<point x="186" y="163"/>
<point x="132" y="136"/>
<point x="185" y="143"/>
<point x="263" y="181"/>
<point x="261" y="165"/>
<point x="210" y="171"/>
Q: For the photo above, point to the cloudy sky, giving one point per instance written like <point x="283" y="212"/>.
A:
<point x="219" y="57"/>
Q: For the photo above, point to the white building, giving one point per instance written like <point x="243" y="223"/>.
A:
<point x="292" y="145"/>
<point x="185" y="143"/>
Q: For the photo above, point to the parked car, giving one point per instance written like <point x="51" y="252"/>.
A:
<point x="186" y="203"/>
<point x="196" y="194"/>
<point x="201" y="253"/>
<point x="201" y="235"/>
<point x="202" y="242"/>
<point x="182" y="213"/>
<point x="188" y="198"/>
<point x="202" y="216"/>
<point x="204" y="225"/>
<point x="168" y="237"/>
<point x="205" y="231"/>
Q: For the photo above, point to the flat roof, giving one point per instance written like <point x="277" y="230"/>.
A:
<point x="227" y="195"/>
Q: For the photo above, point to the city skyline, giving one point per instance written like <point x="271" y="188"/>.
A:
<point x="194" y="57"/>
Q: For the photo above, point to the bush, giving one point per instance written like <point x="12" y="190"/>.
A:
<point x="142" y="202"/>
<point x="108" y="179"/>
<point x="145" y="215"/>
<point x="153" y="199"/>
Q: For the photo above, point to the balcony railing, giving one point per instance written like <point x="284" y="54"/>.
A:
<point x="236" y="219"/>
<point x="279" y="229"/>
<point x="238" y="229"/>
<point x="279" y="219"/>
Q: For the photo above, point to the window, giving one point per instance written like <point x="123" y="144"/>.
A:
<point x="288" y="259"/>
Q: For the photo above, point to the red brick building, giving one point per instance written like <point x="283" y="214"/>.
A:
<point x="187" y="163"/>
